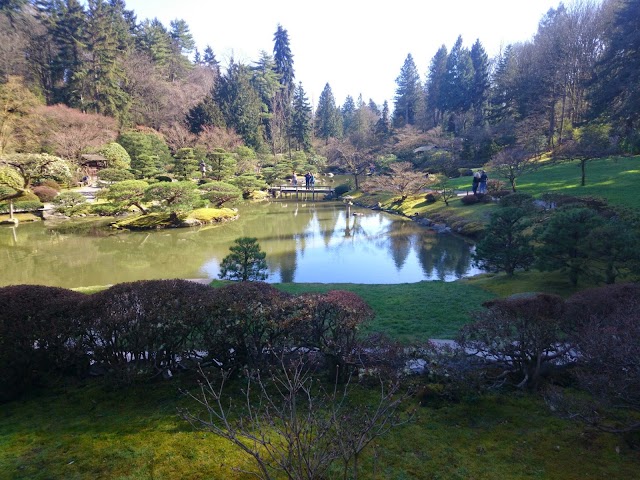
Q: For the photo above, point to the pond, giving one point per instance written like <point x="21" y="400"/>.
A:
<point x="304" y="242"/>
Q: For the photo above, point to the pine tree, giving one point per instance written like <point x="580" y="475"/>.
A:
<point x="435" y="105"/>
<point x="458" y="79"/>
<point x="282" y="105"/>
<point x="348" y="112"/>
<point x="240" y="104"/>
<point x="209" y="60"/>
<point x="327" y="118"/>
<point x="383" y="126"/>
<point x="616" y="92"/>
<point x="267" y="83"/>
<point x="408" y="99"/>
<point x="101" y="77"/>
<point x="480" y="85"/>
<point x="301" y="126"/>
<point x="246" y="262"/>
<point x="182" y="44"/>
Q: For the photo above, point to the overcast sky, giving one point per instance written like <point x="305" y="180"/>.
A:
<point x="358" y="47"/>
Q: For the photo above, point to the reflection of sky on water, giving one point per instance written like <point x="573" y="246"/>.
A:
<point x="304" y="242"/>
<point x="372" y="247"/>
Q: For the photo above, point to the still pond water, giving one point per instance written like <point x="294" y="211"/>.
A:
<point x="304" y="242"/>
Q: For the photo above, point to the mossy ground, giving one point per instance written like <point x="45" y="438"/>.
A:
<point x="93" y="431"/>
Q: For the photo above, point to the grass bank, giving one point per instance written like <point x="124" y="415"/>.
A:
<point x="613" y="178"/>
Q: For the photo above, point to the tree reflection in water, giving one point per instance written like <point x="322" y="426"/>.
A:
<point x="304" y="242"/>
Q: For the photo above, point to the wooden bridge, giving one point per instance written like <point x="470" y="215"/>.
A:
<point x="302" y="192"/>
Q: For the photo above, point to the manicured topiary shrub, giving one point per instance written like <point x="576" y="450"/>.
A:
<point x="44" y="193"/>
<point x="48" y="182"/>
<point x="106" y="209"/>
<point x="115" y="175"/>
<point x="331" y="325"/>
<point x="342" y="189"/>
<point x="142" y="329"/>
<point x="432" y="197"/>
<point x="250" y="324"/>
<point x="39" y="336"/>
<point x="520" y="200"/>
<point x="475" y="199"/>
<point x="71" y="203"/>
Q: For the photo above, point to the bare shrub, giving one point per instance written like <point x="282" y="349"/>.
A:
<point x="523" y="336"/>
<point x="291" y="424"/>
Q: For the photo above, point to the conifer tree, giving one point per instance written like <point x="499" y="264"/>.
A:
<point x="434" y="99"/>
<point x="301" y="126"/>
<point x="327" y="118"/>
<point x="408" y="99"/>
<point x="246" y="262"/>
<point x="480" y="85"/>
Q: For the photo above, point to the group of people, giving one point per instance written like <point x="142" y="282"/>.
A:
<point x="309" y="179"/>
<point x="479" y="184"/>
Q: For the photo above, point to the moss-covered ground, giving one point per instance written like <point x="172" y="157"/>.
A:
<point x="92" y="431"/>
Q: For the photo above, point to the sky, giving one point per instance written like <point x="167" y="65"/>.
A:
<point x="356" y="46"/>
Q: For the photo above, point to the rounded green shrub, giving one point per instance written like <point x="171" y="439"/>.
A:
<point x="44" y="193"/>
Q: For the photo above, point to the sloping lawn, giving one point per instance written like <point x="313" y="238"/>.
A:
<point x="613" y="178"/>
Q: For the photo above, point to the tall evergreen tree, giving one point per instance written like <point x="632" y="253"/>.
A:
<point x="182" y="44"/>
<point x="282" y="106"/>
<point x="458" y="80"/>
<point x="155" y="40"/>
<point x="616" y="93"/>
<point x="66" y="22"/>
<point x="383" y="126"/>
<point x="435" y="104"/>
<point x="209" y="60"/>
<point x="101" y="77"/>
<point x="267" y="83"/>
<point x="284" y="60"/>
<point x="409" y="95"/>
<point x="241" y="104"/>
<point x="301" y="126"/>
<point x="348" y="112"/>
<point x="327" y="118"/>
<point x="480" y="85"/>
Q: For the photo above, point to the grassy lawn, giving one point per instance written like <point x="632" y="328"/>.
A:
<point x="91" y="431"/>
<point x="411" y="311"/>
<point x="615" y="179"/>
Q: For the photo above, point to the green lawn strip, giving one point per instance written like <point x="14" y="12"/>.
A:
<point x="94" y="432"/>
<point x="411" y="311"/>
<point x="502" y="285"/>
<point x="614" y="178"/>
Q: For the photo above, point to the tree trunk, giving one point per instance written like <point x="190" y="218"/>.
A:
<point x="583" y="163"/>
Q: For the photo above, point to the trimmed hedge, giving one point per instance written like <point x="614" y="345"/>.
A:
<point x="39" y="336"/>
<point x="140" y="330"/>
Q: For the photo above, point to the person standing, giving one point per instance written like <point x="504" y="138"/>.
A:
<point x="294" y="179"/>
<point x="312" y="180"/>
<point x="307" y="179"/>
<point x="483" y="182"/>
<point x="475" y="182"/>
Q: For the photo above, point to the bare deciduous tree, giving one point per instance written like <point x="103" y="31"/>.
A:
<point x="291" y="424"/>
<point x="402" y="180"/>
<point x="70" y="132"/>
<point x="512" y="163"/>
